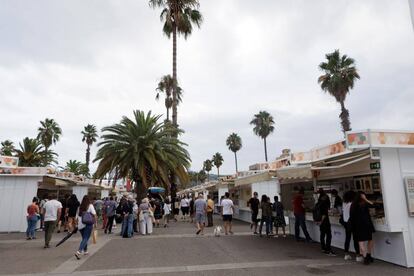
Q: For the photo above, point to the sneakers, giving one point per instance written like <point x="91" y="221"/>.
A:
<point x="329" y="253"/>
<point x="78" y="255"/>
<point x="347" y="257"/>
<point x="359" y="259"/>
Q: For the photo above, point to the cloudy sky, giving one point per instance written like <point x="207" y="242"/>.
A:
<point x="94" y="61"/>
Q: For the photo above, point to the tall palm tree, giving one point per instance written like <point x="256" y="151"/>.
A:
<point x="7" y="148"/>
<point x="339" y="77"/>
<point x="48" y="133"/>
<point x="263" y="125"/>
<point x="178" y="17"/>
<point x="30" y="153"/>
<point x="234" y="143"/>
<point x="89" y="137"/>
<point x="217" y="161"/>
<point x="166" y="85"/>
<point x="143" y="150"/>
<point x="76" y="167"/>
<point x="207" y="166"/>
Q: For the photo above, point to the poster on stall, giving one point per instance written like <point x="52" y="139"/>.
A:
<point x="409" y="191"/>
<point x="9" y="162"/>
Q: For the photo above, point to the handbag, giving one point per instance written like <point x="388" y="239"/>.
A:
<point x="88" y="218"/>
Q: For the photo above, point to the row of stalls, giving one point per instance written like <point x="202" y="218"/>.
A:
<point x="19" y="185"/>
<point x="379" y="163"/>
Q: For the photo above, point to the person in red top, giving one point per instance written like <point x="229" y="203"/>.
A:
<point x="299" y="212"/>
<point x="32" y="218"/>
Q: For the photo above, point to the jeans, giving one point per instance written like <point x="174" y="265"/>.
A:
<point x="109" y="224"/>
<point x="300" y="221"/>
<point x="348" y="235"/>
<point x="268" y="221"/>
<point x="127" y="226"/>
<point x="326" y="235"/>
<point x="49" y="229"/>
<point x="130" y="225"/>
<point x="86" y="234"/>
<point x="31" y="226"/>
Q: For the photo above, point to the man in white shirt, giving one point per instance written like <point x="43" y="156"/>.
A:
<point x="51" y="212"/>
<point x="227" y="212"/>
<point x="185" y="207"/>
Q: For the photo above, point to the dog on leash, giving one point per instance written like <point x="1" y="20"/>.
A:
<point x="217" y="231"/>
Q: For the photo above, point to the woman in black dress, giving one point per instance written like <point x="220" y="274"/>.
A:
<point x="279" y="216"/>
<point x="362" y="225"/>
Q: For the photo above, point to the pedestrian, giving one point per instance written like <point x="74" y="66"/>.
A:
<point x="192" y="209"/>
<point x="266" y="215"/>
<point x="32" y="218"/>
<point x="363" y="226"/>
<point x="176" y="211"/>
<point x="63" y="216"/>
<point x="135" y="216"/>
<point x="210" y="210"/>
<point x="279" y="216"/>
<point x="227" y="213"/>
<point x="52" y="211"/>
<point x="110" y="213"/>
<point x="127" y="223"/>
<point x="337" y="202"/>
<point x="200" y="209"/>
<point x="157" y="205"/>
<point x="87" y="218"/>
<point x="324" y="224"/>
<point x="97" y="204"/>
<point x="166" y="212"/>
<point x="42" y="211"/>
<point x="104" y="216"/>
<point x="254" y="204"/>
<point x="184" y="204"/>
<point x="346" y="222"/>
<point x="299" y="213"/>
<point x="145" y="219"/>
<point x="71" y="210"/>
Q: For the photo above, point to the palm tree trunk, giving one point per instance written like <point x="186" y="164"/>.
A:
<point x="88" y="154"/>
<point x="265" y="148"/>
<point x="46" y="151"/>
<point x="174" y="105"/>
<point x="168" y="114"/>
<point x="235" y="159"/>
<point x="208" y="176"/>
<point x="344" y="116"/>
<point x="218" y="173"/>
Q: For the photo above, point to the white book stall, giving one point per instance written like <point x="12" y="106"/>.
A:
<point x="379" y="163"/>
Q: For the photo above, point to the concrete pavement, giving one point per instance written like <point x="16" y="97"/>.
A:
<point x="178" y="251"/>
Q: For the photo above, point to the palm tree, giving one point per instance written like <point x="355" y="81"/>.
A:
<point x="234" y="143"/>
<point x="49" y="133"/>
<point x="178" y="17"/>
<point x="30" y="153"/>
<point x="142" y="149"/>
<point x="207" y="166"/>
<point x="202" y="176"/>
<point x="339" y="76"/>
<point x="217" y="161"/>
<point x="76" y="167"/>
<point x="7" y="148"/>
<point x="263" y="125"/>
<point x="89" y="136"/>
<point x="166" y="85"/>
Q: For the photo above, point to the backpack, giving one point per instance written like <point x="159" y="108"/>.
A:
<point x="317" y="213"/>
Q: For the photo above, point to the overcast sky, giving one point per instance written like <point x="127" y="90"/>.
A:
<point x="94" y="61"/>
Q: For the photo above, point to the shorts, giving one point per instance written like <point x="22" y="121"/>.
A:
<point x="200" y="218"/>
<point x="254" y="217"/>
<point x="185" y="210"/>
<point x="227" y="217"/>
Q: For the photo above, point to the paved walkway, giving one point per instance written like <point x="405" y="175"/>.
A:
<point x="178" y="251"/>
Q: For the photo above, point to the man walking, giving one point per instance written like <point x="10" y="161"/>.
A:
<point x="110" y="214"/>
<point x="210" y="210"/>
<point x="299" y="212"/>
<point x="200" y="206"/>
<point x="325" y="225"/>
<point x="227" y="212"/>
<point x="52" y="211"/>
<point x="254" y="203"/>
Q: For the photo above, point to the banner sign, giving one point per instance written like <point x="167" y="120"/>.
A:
<point x="24" y="171"/>
<point x="374" y="138"/>
<point x="9" y="162"/>
<point x="319" y="153"/>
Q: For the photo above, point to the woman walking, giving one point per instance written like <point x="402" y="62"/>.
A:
<point x="167" y="212"/>
<point x="32" y="218"/>
<point x="86" y="220"/>
<point x="279" y="216"/>
<point x="363" y="226"/>
<point x="71" y="209"/>
<point x="346" y="222"/>
<point x="145" y="218"/>
<point x="266" y="215"/>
